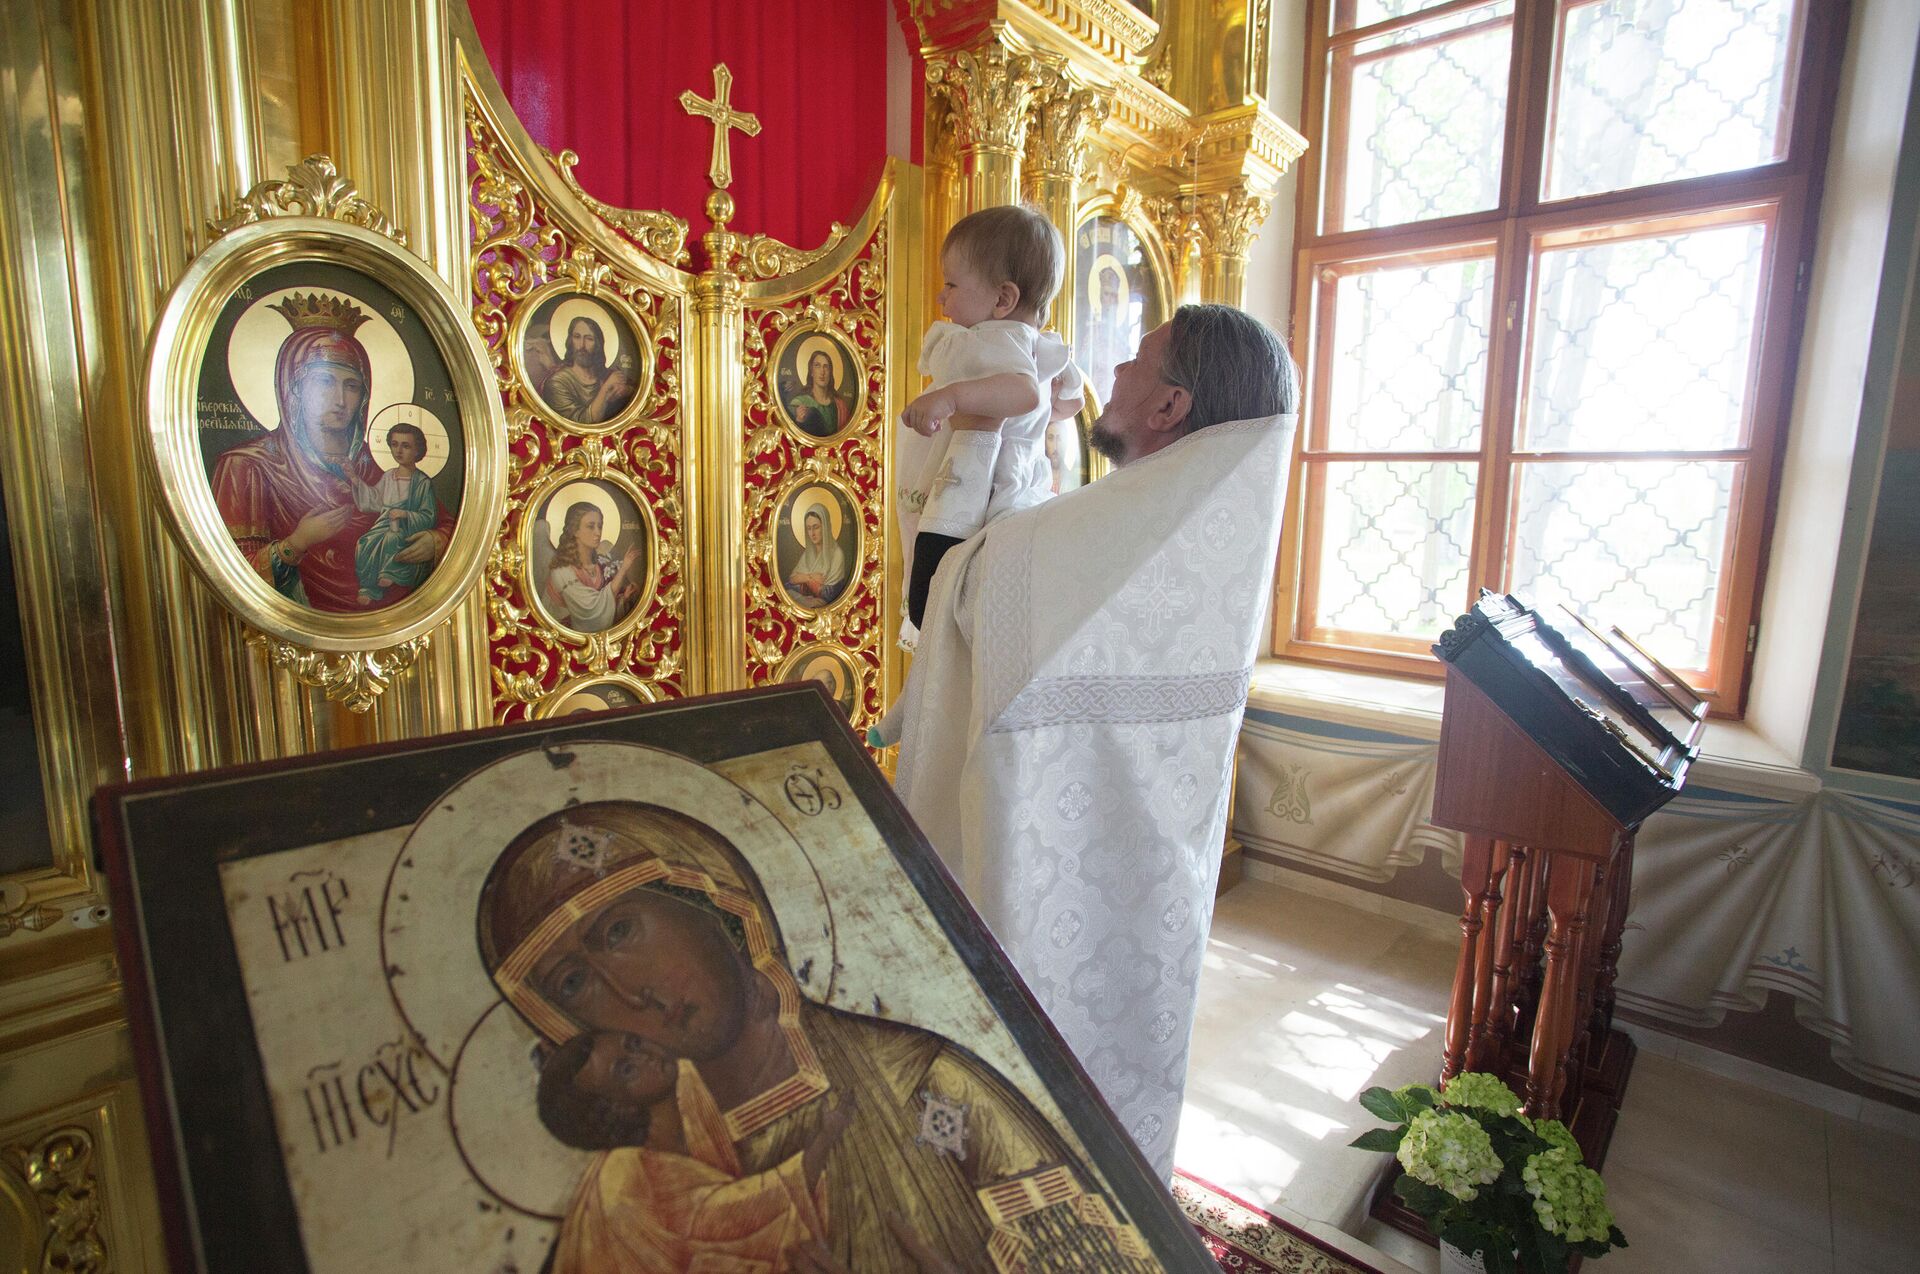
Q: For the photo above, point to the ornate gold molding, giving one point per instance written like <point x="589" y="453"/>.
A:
<point x="986" y="90"/>
<point x="1112" y="28"/>
<point x="1222" y="223"/>
<point x="1258" y="23"/>
<point x="57" y="1172"/>
<point x="1112" y="31"/>
<point x="1248" y="141"/>
<point x="312" y="188"/>
<point x="354" y="679"/>
<point x="1064" y="113"/>
<point x="659" y="234"/>
<point x="765" y="257"/>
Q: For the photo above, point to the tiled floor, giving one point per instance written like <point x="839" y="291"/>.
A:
<point x="1305" y="1002"/>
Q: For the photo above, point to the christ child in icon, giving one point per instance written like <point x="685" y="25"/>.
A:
<point x="403" y="505"/>
<point x="668" y="1191"/>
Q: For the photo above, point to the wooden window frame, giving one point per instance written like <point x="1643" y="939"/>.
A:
<point x="1787" y="190"/>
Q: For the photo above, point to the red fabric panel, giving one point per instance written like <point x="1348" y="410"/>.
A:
<point x="604" y="77"/>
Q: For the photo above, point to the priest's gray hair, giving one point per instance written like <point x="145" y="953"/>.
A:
<point x="1231" y="364"/>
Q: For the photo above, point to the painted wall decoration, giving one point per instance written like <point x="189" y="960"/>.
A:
<point x="1119" y="296"/>
<point x="1879" y="725"/>
<point x="530" y="997"/>
<point x="590" y="551"/>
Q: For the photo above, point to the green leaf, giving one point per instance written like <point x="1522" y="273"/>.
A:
<point x="1418" y="1098"/>
<point x="1421" y="1197"/>
<point x="1381" y="1103"/>
<point x="1384" y="1139"/>
<point x="1552" y="1252"/>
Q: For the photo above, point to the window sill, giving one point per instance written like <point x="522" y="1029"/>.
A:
<point x="1733" y="758"/>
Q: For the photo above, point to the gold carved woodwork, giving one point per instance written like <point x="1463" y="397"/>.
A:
<point x="535" y="242"/>
<point x="353" y="679"/>
<point x="707" y="456"/>
<point x="312" y="188"/>
<point x="49" y="1187"/>
<point x="1064" y="114"/>
<point x="660" y="233"/>
<point x="985" y="91"/>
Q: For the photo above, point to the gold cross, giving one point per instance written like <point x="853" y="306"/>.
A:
<point x="724" y="117"/>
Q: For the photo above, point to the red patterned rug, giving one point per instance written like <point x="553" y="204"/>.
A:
<point x="1248" y="1240"/>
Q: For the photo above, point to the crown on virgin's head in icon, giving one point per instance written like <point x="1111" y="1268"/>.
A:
<point x="318" y="310"/>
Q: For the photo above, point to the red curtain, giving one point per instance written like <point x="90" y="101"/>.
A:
<point x="604" y="77"/>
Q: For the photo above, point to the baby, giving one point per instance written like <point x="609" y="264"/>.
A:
<point x="668" y="1193"/>
<point x="403" y="505"/>
<point x="1000" y="269"/>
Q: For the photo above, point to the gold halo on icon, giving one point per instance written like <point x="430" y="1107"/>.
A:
<point x="1106" y="263"/>
<point x="809" y="498"/>
<point x="837" y="679"/>
<point x="438" y="444"/>
<point x="577" y="492"/>
<point x="803" y="362"/>
<point x="253" y="352"/>
<point x="584" y="307"/>
<point x="801" y="664"/>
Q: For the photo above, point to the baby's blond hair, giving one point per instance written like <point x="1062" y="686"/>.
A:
<point x="1013" y="244"/>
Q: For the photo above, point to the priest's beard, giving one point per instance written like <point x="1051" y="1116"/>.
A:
<point x="1107" y="442"/>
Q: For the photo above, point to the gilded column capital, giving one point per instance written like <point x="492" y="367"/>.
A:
<point x="1230" y="219"/>
<point x="1062" y="114"/>
<point x="1220" y="223"/>
<point x="986" y="90"/>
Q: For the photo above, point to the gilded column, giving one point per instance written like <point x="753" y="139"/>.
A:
<point x="986" y="89"/>
<point x="1229" y="221"/>
<point x="716" y="536"/>
<point x="1063" y="112"/>
<point x="1222" y="225"/>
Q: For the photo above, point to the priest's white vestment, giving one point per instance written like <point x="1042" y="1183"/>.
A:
<point x="1069" y="728"/>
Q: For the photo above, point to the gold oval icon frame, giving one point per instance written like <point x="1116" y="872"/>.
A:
<point x="174" y="358"/>
<point x="843" y="657"/>
<point x="798" y="333"/>
<point x="550" y="703"/>
<point x="564" y="476"/>
<point x="621" y="309"/>
<point x="857" y="568"/>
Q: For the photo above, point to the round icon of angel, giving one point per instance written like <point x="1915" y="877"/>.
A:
<point x="331" y="437"/>
<point x="590" y="550"/>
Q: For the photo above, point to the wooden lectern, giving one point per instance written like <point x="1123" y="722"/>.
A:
<point x="1556" y="743"/>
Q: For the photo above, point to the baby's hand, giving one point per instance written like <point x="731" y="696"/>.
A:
<point x="925" y="414"/>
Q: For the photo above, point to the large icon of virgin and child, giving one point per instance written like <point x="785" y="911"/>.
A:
<point x="596" y="1008"/>
<point x="322" y="427"/>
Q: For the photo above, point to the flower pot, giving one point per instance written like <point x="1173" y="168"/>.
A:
<point x="1454" y="1261"/>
